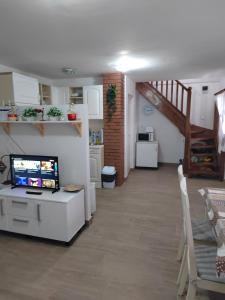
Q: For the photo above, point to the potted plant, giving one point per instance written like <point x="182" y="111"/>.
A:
<point x="111" y="100"/>
<point x="54" y="114"/>
<point x="29" y="114"/>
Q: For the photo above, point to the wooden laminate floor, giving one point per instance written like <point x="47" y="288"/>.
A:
<point x="128" y="253"/>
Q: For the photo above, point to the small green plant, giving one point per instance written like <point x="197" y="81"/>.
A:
<point x="111" y="99"/>
<point x="54" y="112"/>
<point x="29" y="112"/>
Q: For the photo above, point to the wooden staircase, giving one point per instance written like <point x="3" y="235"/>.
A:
<point x="173" y="99"/>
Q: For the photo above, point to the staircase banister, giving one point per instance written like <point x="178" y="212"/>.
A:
<point x="220" y="92"/>
<point x="181" y="84"/>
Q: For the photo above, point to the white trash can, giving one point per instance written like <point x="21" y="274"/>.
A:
<point x="108" y="177"/>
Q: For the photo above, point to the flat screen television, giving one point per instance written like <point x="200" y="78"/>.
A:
<point x="34" y="171"/>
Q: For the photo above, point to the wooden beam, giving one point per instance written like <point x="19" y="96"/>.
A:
<point x="220" y="92"/>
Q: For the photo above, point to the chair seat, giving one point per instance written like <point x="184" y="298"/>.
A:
<point x="202" y="230"/>
<point x="206" y="262"/>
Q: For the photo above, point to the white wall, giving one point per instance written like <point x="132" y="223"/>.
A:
<point x="59" y="140"/>
<point x="171" y="142"/>
<point x="203" y="103"/>
<point x="130" y="124"/>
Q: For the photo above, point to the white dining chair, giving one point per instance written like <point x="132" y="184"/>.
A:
<point x="198" y="262"/>
<point x="202" y="229"/>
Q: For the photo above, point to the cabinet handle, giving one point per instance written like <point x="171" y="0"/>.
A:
<point x="21" y="221"/>
<point x="39" y="212"/>
<point x="19" y="202"/>
<point x="2" y="210"/>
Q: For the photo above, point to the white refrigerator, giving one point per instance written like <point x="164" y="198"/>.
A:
<point x="147" y="154"/>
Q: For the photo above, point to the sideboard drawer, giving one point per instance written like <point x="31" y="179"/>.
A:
<point x="21" y="207"/>
<point x="22" y="225"/>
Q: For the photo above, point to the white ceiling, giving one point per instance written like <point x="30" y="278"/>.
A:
<point x="179" y="38"/>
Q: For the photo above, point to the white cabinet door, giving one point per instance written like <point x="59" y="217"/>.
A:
<point x="26" y="90"/>
<point x="147" y="154"/>
<point x="95" y="167"/>
<point x="60" y="95"/>
<point x="51" y="220"/>
<point x="93" y="97"/>
<point x="3" y="220"/>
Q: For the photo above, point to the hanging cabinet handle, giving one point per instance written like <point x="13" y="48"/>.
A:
<point x="39" y="212"/>
<point x="1" y="206"/>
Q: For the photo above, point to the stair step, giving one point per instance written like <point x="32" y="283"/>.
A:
<point x="203" y="154"/>
<point x="204" y="173"/>
<point x="203" y="138"/>
<point x="203" y="147"/>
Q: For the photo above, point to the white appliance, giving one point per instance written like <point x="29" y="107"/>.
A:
<point x="147" y="154"/>
<point x="145" y="137"/>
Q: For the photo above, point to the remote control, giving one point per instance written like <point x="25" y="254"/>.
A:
<point x="33" y="193"/>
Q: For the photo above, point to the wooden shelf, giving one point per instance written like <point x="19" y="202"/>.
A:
<point x="40" y="125"/>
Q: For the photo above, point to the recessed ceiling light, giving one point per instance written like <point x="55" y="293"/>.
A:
<point x="128" y="63"/>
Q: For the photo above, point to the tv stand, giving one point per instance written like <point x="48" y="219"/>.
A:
<point x="56" y="216"/>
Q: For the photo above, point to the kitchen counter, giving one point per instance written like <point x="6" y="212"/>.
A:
<point x="96" y="146"/>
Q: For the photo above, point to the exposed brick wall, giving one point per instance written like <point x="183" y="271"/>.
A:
<point x="114" y="128"/>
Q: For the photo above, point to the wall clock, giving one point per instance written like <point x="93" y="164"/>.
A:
<point x="148" y="109"/>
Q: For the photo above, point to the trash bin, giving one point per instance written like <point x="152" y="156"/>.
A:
<point x="108" y="177"/>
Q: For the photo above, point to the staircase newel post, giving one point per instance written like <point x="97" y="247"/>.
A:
<point x="187" y="156"/>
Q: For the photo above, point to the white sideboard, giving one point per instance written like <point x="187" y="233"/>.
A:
<point x="96" y="164"/>
<point x="57" y="216"/>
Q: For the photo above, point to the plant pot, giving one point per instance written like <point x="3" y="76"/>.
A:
<point x="29" y="119"/>
<point x="12" y="117"/>
<point x="54" y="118"/>
<point x="72" y="117"/>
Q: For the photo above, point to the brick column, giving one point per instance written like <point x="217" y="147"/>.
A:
<point x="114" y="127"/>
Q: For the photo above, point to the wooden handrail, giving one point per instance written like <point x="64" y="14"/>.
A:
<point x="220" y="92"/>
<point x="177" y="99"/>
<point x="181" y="84"/>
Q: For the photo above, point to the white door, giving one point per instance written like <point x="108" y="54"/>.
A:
<point x="95" y="167"/>
<point x="3" y="221"/>
<point x="26" y="90"/>
<point x="147" y="154"/>
<point x="93" y="97"/>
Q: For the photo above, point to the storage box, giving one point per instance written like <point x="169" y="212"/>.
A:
<point x="108" y="177"/>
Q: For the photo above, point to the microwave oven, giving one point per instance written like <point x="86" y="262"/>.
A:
<point x="145" y="137"/>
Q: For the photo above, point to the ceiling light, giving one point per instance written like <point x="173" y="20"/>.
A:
<point x="127" y="63"/>
<point x="123" y="52"/>
<point x="69" y="71"/>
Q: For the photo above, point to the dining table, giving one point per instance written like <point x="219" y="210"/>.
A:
<point x="214" y="199"/>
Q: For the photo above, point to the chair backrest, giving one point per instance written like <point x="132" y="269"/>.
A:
<point x="180" y="172"/>
<point x="192" y="269"/>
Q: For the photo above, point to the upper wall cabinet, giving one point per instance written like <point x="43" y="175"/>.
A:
<point x="93" y="97"/>
<point x="45" y="93"/>
<point x="18" y="89"/>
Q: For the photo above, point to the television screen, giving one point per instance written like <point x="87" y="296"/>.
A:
<point x="34" y="171"/>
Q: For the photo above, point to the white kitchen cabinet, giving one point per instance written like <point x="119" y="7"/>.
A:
<point x="147" y="154"/>
<point x="18" y="89"/>
<point x="57" y="216"/>
<point x="3" y="219"/>
<point x="60" y="95"/>
<point x="96" y="164"/>
<point x="93" y="97"/>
